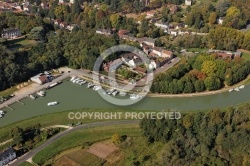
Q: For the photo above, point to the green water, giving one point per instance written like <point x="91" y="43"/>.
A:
<point x="73" y="96"/>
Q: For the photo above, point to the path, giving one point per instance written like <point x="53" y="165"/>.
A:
<point x="31" y="153"/>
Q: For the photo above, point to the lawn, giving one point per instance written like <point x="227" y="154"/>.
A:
<point x="26" y="164"/>
<point x="246" y="56"/>
<point x="9" y="91"/>
<point x="83" y="138"/>
<point x="197" y="49"/>
<point x="55" y="119"/>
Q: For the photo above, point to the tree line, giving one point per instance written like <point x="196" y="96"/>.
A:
<point x="215" y="137"/>
<point x="201" y="73"/>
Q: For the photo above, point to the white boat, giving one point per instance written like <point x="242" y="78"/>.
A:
<point x="1" y="112"/>
<point x="90" y="85"/>
<point x="237" y="89"/>
<point x="72" y="78"/>
<point x="115" y="93"/>
<point x="242" y="86"/>
<point x="1" y="115"/>
<point x="230" y="90"/>
<point x="97" y="87"/>
<point x="122" y="93"/>
<point x="52" y="103"/>
<point x="41" y="93"/>
<point x="134" y="97"/>
<point x="32" y="97"/>
<point x="110" y="91"/>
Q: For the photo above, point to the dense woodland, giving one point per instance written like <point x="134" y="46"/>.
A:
<point x="200" y="73"/>
<point x="206" y="138"/>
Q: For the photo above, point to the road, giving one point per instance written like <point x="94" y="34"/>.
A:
<point x="60" y="135"/>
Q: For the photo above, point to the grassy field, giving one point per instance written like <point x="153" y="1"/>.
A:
<point x="83" y="138"/>
<point x="26" y="164"/>
<point x="7" y="92"/>
<point x="81" y="157"/>
<point x="197" y="49"/>
<point x="246" y="56"/>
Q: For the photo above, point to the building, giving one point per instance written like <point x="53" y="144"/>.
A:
<point x="188" y="2"/>
<point x="146" y="40"/>
<point x="7" y="156"/>
<point x="40" y="78"/>
<point x="103" y="31"/>
<point x="220" y="20"/>
<point x="11" y="33"/>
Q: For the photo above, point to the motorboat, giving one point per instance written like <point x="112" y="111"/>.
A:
<point x="122" y="93"/>
<point x="110" y="91"/>
<point x="230" y="90"/>
<point x="90" y="85"/>
<point x="134" y="97"/>
<point x="97" y="87"/>
<point x="242" y="87"/>
<point x="237" y="89"/>
<point x="32" y="97"/>
<point x="53" y="103"/>
<point x="1" y="112"/>
<point x="72" y="78"/>
<point x="41" y="93"/>
<point x="115" y="93"/>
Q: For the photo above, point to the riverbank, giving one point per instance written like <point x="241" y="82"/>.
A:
<point x="206" y="93"/>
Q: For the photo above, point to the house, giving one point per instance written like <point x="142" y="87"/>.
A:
<point x="173" y="9"/>
<point x="72" y="1"/>
<point x="225" y="55"/>
<point x="63" y="25"/>
<point x="133" y="63"/>
<point x="167" y="54"/>
<point x="40" y="78"/>
<point x="103" y="31"/>
<point x="174" y="33"/>
<point x="220" y="20"/>
<point x="112" y="66"/>
<point x="123" y="32"/>
<point x="161" y="25"/>
<point x="7" y="156"/>
<point x="188" y="2"/>
<point x="11" y="33"/>
<point x="71" y="27"/>
<point x="153" y="65"/>
<point x="146" y="40"/>
<point x="157" y="51"/>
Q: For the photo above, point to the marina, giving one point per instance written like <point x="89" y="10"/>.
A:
<point x="76" y="97"/>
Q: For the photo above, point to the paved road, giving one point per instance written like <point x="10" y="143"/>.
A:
<point x="58" y="136"/>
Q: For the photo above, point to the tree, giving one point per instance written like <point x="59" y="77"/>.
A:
<point x="212" y="18"/>
<point x="37" y="33"/>
<point x="209" y="67"/>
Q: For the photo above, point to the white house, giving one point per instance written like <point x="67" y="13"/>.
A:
<point x="40" y="78"/>
<point x="160" y="25"/>
<point x="188" y="2"/>
<point x="11" y="33"/>
<point x="7" y="156"/>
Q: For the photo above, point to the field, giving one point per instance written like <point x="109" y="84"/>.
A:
<point x="78" y="158"/>
<point x="26" y="164"/>
<point x="7" y="92"/>
<point x="246" y="56"/>
<point x="83" y="138"/>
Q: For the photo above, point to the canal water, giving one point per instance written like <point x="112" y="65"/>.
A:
<point x="71" y="96"/>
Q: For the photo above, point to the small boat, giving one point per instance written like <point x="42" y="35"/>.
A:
<point x="230" y="90"/>
<point x="32" y="97"/>
<point x="122" y="93"/>
<point x="97" y="87"/>
<point x="110" y="91"/>
<point x="41" y="93"/>
<point x="72" y="78"/>
<point x="237" y="89"/>
<point x="90" y="85"/>
<point x="134" y="97"/>
<point x="52" y="103"/>
<point x="1" y="112"/>
<point x="115" y="93"/>
<point x="242" y="86"/>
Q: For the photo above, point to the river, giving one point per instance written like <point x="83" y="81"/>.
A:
<point x="73" y="96"/>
